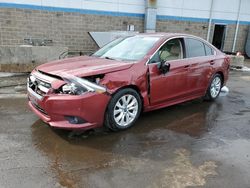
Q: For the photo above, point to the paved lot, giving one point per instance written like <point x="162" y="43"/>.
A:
<point x="193" y="144"/>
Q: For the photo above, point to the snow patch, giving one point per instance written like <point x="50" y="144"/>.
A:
<point x="244" y="69"/>
<point x="224" y="91"/>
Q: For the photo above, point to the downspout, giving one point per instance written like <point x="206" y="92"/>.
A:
<point x="210" y="20"/>
<point x="150" y="16"/>
<point x="237" y="27"/>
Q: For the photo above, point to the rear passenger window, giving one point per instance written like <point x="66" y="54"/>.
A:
<point x="195" y="48"/>
<point x="209" y="51"/>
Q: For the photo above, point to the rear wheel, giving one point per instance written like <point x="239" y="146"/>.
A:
<point x="214" y="88"/>
<point x="123" y="110"/>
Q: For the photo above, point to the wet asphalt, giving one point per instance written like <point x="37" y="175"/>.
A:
<point x="194" y="144"/>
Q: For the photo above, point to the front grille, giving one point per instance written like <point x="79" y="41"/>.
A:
<point x="38" y="86"/>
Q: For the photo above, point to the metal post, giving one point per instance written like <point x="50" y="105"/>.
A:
<point x="237" y="27"/>
<point x="210" y="20"/>
<point x="150" y="16"/>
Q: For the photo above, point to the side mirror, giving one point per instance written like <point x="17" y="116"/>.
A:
<point x="164" y="67"/>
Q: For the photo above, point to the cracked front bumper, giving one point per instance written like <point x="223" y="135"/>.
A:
<point x="55" y="108"/>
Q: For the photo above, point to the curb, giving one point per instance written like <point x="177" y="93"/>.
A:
<point x="13" y="96"/>
<point x="10" y="74"/>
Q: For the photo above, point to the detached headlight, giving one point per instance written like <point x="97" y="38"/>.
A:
<point x="73" y="89"/>
<point x="78" y="86"/>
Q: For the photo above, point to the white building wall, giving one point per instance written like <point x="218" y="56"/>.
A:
<point x="129" y="6"/>
<point x="223" y="10"/>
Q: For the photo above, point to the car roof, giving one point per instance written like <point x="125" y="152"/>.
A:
<point x="165" y="35"/>
<point x="170" y="35"/>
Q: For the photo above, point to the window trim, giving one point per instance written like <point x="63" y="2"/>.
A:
<point x="212" y="50"/>
<point x="181" y="49"/>
<point x="204" y="43"/>
<point x="185" y="48"/>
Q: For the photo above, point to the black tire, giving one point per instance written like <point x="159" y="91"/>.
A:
<point x="110" y="121"/>
<point x="209" y="96"/>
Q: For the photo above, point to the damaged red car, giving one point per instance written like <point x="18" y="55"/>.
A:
<point x="124" y="78"/>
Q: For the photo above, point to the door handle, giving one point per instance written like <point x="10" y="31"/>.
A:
<point x="186" y="66"/>
<point x="212" y="62"/>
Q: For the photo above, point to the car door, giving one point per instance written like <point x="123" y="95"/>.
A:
<point x="172" y="85"/>
<point x="200" y="60"/>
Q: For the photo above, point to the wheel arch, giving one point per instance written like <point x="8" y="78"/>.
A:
<point x="210" y="80"/>
<point x="134" y="87"/>
<point x="222" y="76"/>
<point x="131" y="86"/>
<point x="217" y="72"/>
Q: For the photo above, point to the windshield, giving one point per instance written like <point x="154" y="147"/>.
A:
<point x="128" y="49"/>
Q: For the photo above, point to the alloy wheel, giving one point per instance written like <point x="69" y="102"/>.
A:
<point x="125" y="110"/>
<point x="215" y="87"/>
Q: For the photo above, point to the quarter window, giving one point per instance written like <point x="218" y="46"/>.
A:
<point x="209" y="51"/>
<point x="195" y="48"/>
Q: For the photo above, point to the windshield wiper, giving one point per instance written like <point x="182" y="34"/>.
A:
<point x="109" y="58"/>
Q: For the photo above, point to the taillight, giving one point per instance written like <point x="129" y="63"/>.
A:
<point x="228" y="60"/>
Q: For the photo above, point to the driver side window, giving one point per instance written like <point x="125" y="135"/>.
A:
<point x="171" y="50"/>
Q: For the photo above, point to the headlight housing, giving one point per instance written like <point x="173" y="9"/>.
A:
<point x="78" y="86"/>
<point x="73" y="89"/>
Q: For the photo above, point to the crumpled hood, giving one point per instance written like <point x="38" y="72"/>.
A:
<point x="83" y="66"/>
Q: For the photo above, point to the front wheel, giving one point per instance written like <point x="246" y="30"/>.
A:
<point x="123" y="110"/>
<point x="214" y="88"/>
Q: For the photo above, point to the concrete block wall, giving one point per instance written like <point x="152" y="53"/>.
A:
<point x="67" y="23"/>
<point x="18" y="68"/>
<point x="71" y="29"/>
<point x="64" y="28"/>
<point x="200" y="29"/>
<point x="242" y="37"/>
<point x="194" y="28"/>
<point x="26" y="58"/>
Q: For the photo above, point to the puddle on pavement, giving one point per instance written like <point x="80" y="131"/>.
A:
<point x="193" y="125"/>
<point x="245" y="78"/>
<point x="135" y="150"/>
<point x="151" y="153"/>
<point x="184" y="174"/>
<point x="193" y="118"/>
<point x="149" y="149"/>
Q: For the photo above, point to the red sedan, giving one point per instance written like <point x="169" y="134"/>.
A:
<point x="124" y="78"/>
